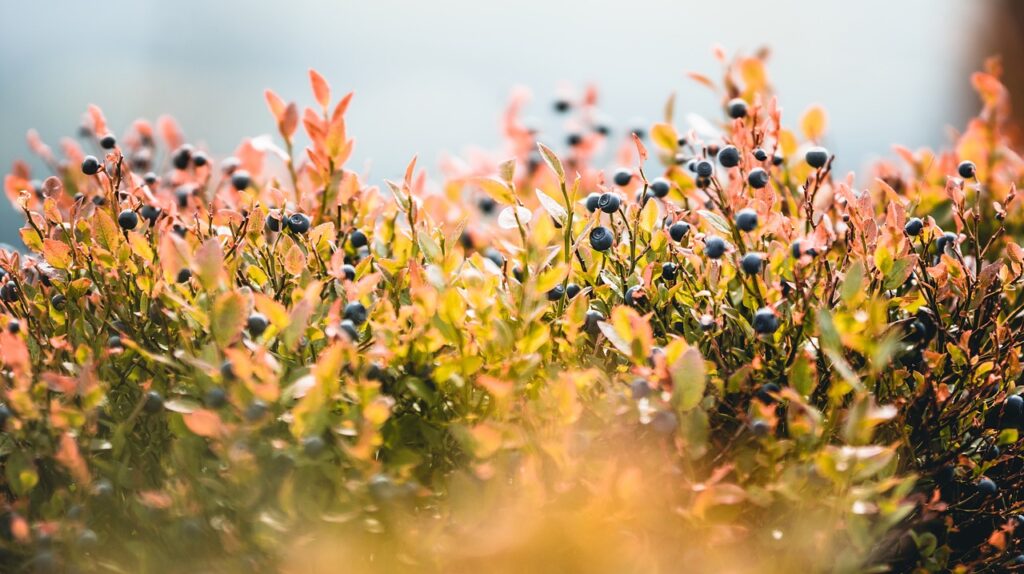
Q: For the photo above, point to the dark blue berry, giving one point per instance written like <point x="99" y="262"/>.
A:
<point x="766" y="321"/>
<point x="704" y="168"/>
<point x="913" y="227"/>
<point x="609" y="202"/>
<point x="729" y="156"/>
<point x="737" y="108"/>
<point x="760" y="154"/>
<point x="91" y="165"/>
<point x="591" y="320"/>
<point x="967" y="169"/>
<point x="108" y="142"/>
<point x="758" y="178"/>
<point x="215" y="398"/>
<point x="746" y="219"/>
<point x="355" y="312"/>
<point x="816" y="157"/>
<point x="241" y="180"/>
<point x="358" y="239"/>
<point x="660" y="187"/>
<point x="751" y="263"/>
<point x="298" y="223"/>
<point x="273" y="223"/>
<point x="154" y="403"/>
<point x="128" y="219"/>
<point x="678" y="230"/>
<point x="622" y="177"/>
<point x="714" y="247"/>
<point x="556" y="293"/>
<point x="349" y="271"/>
<point x="592" y="202"/>
<point x="669" y="271"/>
<point x="256" y="324"/>
<point x="601" y="238"/>
<point x="572" y="290"/>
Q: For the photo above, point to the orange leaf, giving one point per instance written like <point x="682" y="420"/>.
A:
<point x="275" y="103"/>
<point x="205" y="423"/>
<point x="321" y="89"/>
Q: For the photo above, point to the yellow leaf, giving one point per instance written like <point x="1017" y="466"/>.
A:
<point x="665" y="137"/>
<point x="547" y="280"/>
<point x="140" y="246"/>
<point x="295" y="260"/>
<point x="106" y="230"/>
<point x="813" y="123"/>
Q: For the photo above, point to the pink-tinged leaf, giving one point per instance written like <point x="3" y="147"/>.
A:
<point x="99" y="123"/>
<point x="275" y="103"/>
<point x="70" y="458"/>
<point x="321" y="89"/>
<point x="640" y="149"/>
<point x="209" y="263"/>
<point x="702" y="79"/>
<point x="170" y="131"/>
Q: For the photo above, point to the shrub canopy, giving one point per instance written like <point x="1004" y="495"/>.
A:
<point x="747" y="363"/>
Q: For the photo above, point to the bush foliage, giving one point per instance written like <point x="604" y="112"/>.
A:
<point x="724" y="356"/>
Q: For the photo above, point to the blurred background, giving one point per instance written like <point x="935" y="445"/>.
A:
<point x="432" y="77"/>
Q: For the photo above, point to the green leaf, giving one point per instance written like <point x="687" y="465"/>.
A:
<point x="552" y="160"/>
<point x="688" y="380"/>
<point x="716" y="221"/>
<point x="228" y="318"/>
<point x="21" y="473"/>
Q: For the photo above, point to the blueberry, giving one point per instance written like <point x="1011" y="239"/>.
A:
<point x="609" y="202"/>
<point x="256" y="324"/>
<point x="273" y="223"/>
<point x="729" y="156"/>
<point x="704" y="168"/>
<point x="992" y="452"/>
<point x="600" y="238"/>
<point x="816" y="157"/>
<point x="58" y="301"/>
<point x="313" y="446"/>
<point x="987" y="487"/>
<point x="91" y="165"/>
<point x="635" y="296"/>
<point x="150" y="179"/>
<point x="495" y="256"/>
<point x="678" y="230"/>
<point x="967" y="169"/>
<point x="13" y="326"/>
<point x="200" y="159"/>
<point x="640" y="389"/>
<point x="99" y="200"/>
<point x="182" y="156"/>
<point x="256" y="410"/>
<point x="241" y="180"/>
<point x="298" y="223"/>
<point x="602" y="129"/>
<point x="179" y="229"/>
<point x="184" y="275"/>
<point x="592" y="202"/>
<point x="556" y="293"/>
<point x="796" y="249"/>
<point x="746" y="219"/>
<point x="355" y="312"/>
<point x="766" y="394"/>
<point x="358" y="239"/>
<point x="758" y="178"/>
<point x="751" y="263"/>
<point x="913" y="227"/>
<point x="182" y="195"/>
<point x="777" y="159"/>
<point x="150" y="213"/>
<point x="714" y="247"/>
<point x="128" y="219"/>
<point x="154" y="403"/>
<point x="591" y="320"/>
<point x="1014" y="406"/>
<point x="349" y="271"/>
<point x="350" y="329"/>
<point x="766" y="321"/>
<point x="1018" y="560"/>
<point x="487" y="204"/>
<point x="669" y="271"/>
<point x="622" y="177"/>
<point x="215" y="398"/>
<point x="760" y="427"/>
<point x="572" y="290"/>
<point x="660" y="187"/>
<point x="574" y="139"/>
<point x="227" y="371"/>
<point x="945" y="240"/>
<point x="760" y="154"/>
<point x="707" y="322"/>
<point x="9" y="292"/>
<point x="517" y="272"/>
<point x="737" y="108"/>
<point x="562" y="106"/>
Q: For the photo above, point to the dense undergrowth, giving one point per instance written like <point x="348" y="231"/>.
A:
<point x="719" y="354"/>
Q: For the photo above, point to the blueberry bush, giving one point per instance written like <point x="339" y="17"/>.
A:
<point x="717" y="355"/>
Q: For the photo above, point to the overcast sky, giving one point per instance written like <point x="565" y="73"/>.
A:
<point x="432" y="77"/>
